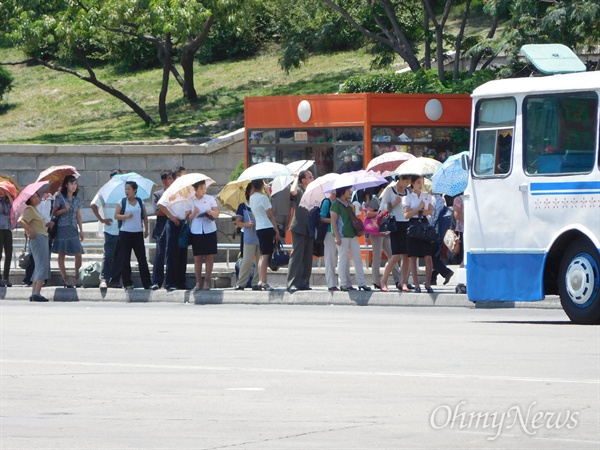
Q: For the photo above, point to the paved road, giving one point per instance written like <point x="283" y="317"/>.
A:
<point x="163" y="375"/>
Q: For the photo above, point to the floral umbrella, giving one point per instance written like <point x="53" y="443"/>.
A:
<point x="55" y="176"/>
<point x="114" y="189"/>
<point x="317" y="190"/>
<point x="450" y="178"/>
<point x="182" y="188"/>
<point x="418" y="166"/>
<point x="9" y="187"/>
<point x="360" y="179"/>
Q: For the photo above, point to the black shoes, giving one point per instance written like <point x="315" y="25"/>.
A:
<point x="239" y="288"/>
<point x="38" y="298"/>
<point x="292" y="289"/>
<point x="448" y="277"/>
<point x="333" y="289"/>
<point x="347" y="288"/>
<point x="364" y="288"/>
<point x="155" y="287"/>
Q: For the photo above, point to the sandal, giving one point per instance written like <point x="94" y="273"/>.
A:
<point x="405" y="289"/>
<point x="384" y="288"/>
<point x="197" y="287"/>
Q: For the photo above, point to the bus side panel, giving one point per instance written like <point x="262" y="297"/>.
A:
<point x="505" y="277"/>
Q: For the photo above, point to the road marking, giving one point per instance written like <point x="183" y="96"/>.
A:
<point x="304" y="371"/>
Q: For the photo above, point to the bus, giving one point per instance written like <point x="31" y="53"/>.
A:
<point x="532" y="203"/>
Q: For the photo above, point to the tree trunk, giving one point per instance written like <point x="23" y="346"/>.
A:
<point x="477" y="56"/>
<point x="93" y="80"/>
<point x="164" y="52"/>
<point x="427" y="35"/>
<point x="188" y="52"/>
<point x="459" y="39"/>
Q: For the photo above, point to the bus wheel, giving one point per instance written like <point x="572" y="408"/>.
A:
<point x="579" y="282"/>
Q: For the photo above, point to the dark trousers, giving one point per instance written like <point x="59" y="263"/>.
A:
<point x="135" y="242"/>
<point x="158" y="268"/>
<point x="176" y="258"/>
<point x="300" y="266"/>
<point x="6" y="244"/>
<point x="111" y="263"/>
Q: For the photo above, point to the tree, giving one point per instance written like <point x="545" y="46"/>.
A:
<point x="59" y="34"/>
<point x="572" y="23"/>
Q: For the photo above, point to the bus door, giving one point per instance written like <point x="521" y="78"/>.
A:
<point x="501" y="262"/>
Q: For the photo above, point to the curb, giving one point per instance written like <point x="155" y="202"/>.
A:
<point x="318" y="296"/>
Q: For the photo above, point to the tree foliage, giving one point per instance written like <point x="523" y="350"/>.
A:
<point x="6" y="81"/>
<point x="420" y="82"/>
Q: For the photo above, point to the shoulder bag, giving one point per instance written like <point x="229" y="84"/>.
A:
<point x="357" y="224"/>
<point x="25" y="256"/>
<point x="184" y="235"/>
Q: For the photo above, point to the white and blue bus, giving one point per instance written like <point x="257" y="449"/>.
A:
<point x="532" y="204"/>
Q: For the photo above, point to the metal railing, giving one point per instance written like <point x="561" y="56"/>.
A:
<point x="228" y="248"/>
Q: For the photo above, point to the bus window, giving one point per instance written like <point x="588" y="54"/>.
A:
<point x="494" y="137"/>
<point x="560" y="133"/>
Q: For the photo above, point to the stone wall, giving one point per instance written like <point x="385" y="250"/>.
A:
<point x="215" y="158"/>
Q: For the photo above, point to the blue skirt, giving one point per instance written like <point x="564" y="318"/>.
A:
<point x="67" y="241"/>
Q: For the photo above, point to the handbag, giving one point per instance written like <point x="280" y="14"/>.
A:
<point x="421" y="230"/>
<point x="53" y="229"/>
<point x="184" y="236"/>
<point x="279" y="257"/>
<point x="371" y="226"/>
<point x="89" y="275"/>
<point x="357" y="224"/>
<point x="451" y="239"/>
<point x="25" y="256"/>
<point x="388" y="224"/>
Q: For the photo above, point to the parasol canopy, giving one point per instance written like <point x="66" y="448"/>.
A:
<point x="55" y="176"/>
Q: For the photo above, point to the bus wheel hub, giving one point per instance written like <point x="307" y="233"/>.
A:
<point x="580" y="280"/>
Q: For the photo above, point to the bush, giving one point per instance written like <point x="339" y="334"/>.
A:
<point x="420" y="82"/>
<point x="6" y="81"/>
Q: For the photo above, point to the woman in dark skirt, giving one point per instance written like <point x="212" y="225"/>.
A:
<point x="203" y="232"/>
<point x="417" y="205"/>
<point x="67" y="207"/>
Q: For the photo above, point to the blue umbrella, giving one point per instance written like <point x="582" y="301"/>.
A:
<point x="114" y="190"/>
<point x="450" y="178"/>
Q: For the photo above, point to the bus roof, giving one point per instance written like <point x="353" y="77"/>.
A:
<point x="582" y="81"/>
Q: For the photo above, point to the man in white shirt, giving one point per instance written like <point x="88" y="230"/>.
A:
<point x="111" y="261"/>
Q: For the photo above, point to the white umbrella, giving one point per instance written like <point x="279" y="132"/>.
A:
<point x="317" y="190"/>
<point x="418" y="166"/>
<point x="264" y="170"/>
<point x="280" y="183"/>
<point x="359" y="179"/>
<point x="181" y="189"/>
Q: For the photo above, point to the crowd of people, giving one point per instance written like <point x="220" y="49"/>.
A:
<point x="53" y="224"/>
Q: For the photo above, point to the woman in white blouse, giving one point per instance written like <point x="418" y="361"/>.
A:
<point x="203" y="231"/>
<point x="416" y="205"/>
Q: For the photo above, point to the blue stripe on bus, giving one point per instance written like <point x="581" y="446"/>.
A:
<point x="505" y="277"/>
<point x="567" y="193"/>
<point x="574" y="185"/>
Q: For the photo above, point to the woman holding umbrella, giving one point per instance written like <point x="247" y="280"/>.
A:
<point x="133" y="229"/>
<point x="203" y="232"/>
<point x="67" y="207"/>
<point x="36" y="228"/>
<point x="6" y="238"/>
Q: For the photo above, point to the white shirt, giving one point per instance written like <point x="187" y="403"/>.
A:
<point x="203" y="225"/>
<point x="259" y="204"/>
<point x="389" y="195"/>
<point x="108" y="212"/>
<point x="133" y="225"/>
<point x="177" y="209"/>
<point x="413" y="200"/>
<point x="45" y="209"/>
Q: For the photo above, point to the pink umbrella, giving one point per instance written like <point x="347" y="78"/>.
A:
<point x="9" y="187"/>
<point x="55" y="176"/>
<point x="19" y="203"/>
<point x="388" y="162"/>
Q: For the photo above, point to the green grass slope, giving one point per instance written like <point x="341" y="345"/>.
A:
<point x="49" y="107"/>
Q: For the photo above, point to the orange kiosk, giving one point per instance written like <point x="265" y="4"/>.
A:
<point x="342" y="132"/>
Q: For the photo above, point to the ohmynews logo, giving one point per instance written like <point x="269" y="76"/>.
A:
<point x="530" y="422"/>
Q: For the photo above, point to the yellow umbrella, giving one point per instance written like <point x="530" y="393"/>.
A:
<point x="233" y="194"/>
